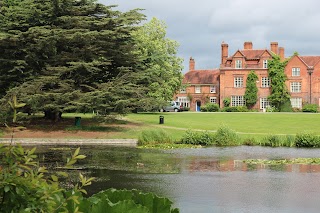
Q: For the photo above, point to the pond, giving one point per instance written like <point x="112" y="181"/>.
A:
<point x="204" y="180"/>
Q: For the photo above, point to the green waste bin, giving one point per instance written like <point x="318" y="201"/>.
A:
<point x="77" y="121"/>
<point x="161" y="119"/>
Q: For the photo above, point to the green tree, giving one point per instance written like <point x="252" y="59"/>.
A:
<point x="57" y="53"/>
<point x="160" y="67"/>
<point x="251" y="93"/>
<point x="280" y="97"/>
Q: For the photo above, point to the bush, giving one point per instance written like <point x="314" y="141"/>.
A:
<point x="235" y="109"/>
<point x="203" y="108"/>
<point x="307" y="140"/>
<point x="186" y="109"/>
<point x="154" y="137"/>
<point x="226" y="137"/>
<point x="198" y="138"/>
<point x="212" y="107"/>
<point x="226" y="102"/>
<point x="310" y="108"/>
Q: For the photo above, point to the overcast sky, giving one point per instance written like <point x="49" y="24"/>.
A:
<point x="201" y="26"/>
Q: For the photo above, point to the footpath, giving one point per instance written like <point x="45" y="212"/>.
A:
<point x="60" y="141"/>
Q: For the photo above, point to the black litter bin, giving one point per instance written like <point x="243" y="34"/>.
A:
<point x="77" y="121"/>
<point x="161" y="119"/>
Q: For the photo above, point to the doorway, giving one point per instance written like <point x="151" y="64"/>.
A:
<point x="198" y="106"/>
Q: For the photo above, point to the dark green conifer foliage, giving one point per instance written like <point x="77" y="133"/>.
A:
<point x="66" y="55"/>
<point x="251" y="94"/>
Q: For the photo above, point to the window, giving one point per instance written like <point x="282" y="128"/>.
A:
<point x="265" y="64"/>
<point x="295" y="86"/>
<point x="265" y="82"/>
<point x="238" y="82"/>
<point x="184" y="101"/>
<point x="295" y="71"/>
<point x="264" y="103"/>
<point x="183" y="90"/>
<point x="296" y="102"/>
<point x="197" y="89"/>
<point x="237" y="101"/>
<point x="238" y="64"/>
<point x="212" y="89"/>
<point x="213" y="100"/>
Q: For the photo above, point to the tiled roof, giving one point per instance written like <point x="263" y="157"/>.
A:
<point x="310" y="60"/>
<point x="201" y="77"/>
<point x="252" y="54"/>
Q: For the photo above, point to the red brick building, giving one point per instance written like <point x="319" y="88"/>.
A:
<point x="229" y="81"/>
<point x="201" y="87"/>
<point x="303" y="80"/>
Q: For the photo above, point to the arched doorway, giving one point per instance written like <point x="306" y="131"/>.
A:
<point x="198" y="105"/>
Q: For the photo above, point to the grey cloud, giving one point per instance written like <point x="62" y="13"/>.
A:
<point x="200" y="26"/>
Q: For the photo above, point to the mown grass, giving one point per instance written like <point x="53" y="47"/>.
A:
<point x="244" y="123"/>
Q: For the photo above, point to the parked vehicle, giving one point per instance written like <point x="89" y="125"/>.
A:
<point x="173" y="106"/>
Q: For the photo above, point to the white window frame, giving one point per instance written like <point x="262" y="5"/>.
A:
<point x="296" y="102"/>
<point x="197" y="89"/>
<point x="238" y="82"/>
<point x="213" y="100"/>
<point x="295" y="87"/>
<point x="265" y="64"/>
<point x="295" y="71"/>
<point x="264" y="103"/>
<point x="238" y="64"/>
<point x="184" y="101"/>
<point x="213" y="89"/>
<point x="237" y="100"/>
<point x="265" y="82"/>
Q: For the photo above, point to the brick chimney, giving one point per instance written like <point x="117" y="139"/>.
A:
<point x="281" y="53"/>
<point x="192" y="64"/>
<point x="224" y="53"/>
<point x="274" y="47"/>
<point x="247" y="45"/>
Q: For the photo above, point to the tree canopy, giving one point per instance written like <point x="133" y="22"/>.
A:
<point x="251" y="94"/>
<point x="70" y="55"/>
<point x="280" y="96"/>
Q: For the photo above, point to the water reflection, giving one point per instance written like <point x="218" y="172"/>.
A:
<point x="206" y="180"/>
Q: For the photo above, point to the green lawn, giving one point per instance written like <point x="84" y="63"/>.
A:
<point x="245" y="123"/>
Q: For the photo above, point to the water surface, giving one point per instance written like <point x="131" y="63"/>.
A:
<point x="208" y="179"/>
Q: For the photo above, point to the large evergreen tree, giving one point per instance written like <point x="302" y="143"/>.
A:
<point x="56" y="54"/>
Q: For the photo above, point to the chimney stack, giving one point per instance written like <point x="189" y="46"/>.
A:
<point x="224" y="53"/>
<point x="274" y="47"/>
<point x="191" y="64"/>
<point x="281" y="53"/>
<point x="247" y="45"/>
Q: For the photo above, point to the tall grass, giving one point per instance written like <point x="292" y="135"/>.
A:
<point x="154" y="136"/>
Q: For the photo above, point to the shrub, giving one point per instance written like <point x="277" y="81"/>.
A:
<point x="310" y="108"/>
<point x="154" y="136"/>
<point x="307" y="140"/>
<point x="226" y="102"/>
<point x="235" y="109"/>
<point x="212" y="107"/>
<point x="203" y="108"/>
<point x="226" y="137"/>
<point x="198" y="138"/>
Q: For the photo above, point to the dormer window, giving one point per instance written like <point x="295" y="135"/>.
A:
<point x="238" y="64"/>
<point x="265" y="64"/>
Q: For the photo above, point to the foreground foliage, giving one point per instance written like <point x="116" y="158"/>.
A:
<point x="25" y="186"/>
